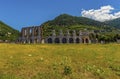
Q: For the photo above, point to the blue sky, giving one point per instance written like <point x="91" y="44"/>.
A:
<point x="22" y="13"/>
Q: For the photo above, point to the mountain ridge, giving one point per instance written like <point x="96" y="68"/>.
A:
<point x="62" y="19"/>
<point x="65" y="21"/>
<point x="114" y="23"/>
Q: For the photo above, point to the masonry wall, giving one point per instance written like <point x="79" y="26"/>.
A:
<point x="83" y="37"/>
<point x="31" y="35"/>
<point x="34" y="35"/>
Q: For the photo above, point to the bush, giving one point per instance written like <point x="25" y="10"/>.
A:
<point x="67" y="70"/>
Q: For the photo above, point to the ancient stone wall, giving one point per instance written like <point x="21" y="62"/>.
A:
<point x="31" y="35"/>
<point x="83" y="37"/>
<point x="34" y="35"/>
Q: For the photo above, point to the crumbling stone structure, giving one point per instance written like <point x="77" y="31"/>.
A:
<point x="31" y="35"/>
<point x="83" y="37"/>
<point x="35" y="35"/>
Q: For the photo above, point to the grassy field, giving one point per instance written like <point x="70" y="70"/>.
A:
<point x="62" y="61"/>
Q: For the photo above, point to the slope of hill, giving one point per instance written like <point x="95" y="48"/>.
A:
<point x="66" y="21"/>
<point x="7" y="32"/>
<point x="114" y="23"/>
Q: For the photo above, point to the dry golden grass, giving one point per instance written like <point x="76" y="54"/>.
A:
<point x="48" y="61"/>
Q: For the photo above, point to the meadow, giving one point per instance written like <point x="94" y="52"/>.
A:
<point x="59" y="61"/>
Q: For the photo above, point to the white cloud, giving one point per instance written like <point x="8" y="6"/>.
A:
<point x="102" y="14"/>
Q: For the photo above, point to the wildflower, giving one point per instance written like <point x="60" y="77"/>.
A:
<point x="29" y="55"/>
<point x="41" y="59"/>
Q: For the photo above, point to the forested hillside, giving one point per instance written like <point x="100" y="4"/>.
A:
<point x="7" y="32"/>
<point x="104" y="31"/>
<point x="68" y="20"/>
<point x="114" y="23"/>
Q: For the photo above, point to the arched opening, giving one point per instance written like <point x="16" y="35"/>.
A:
<point x="64" y="40"/>
<point x="86" y="40"/>
<point x="35" y="40"/>
<point x="82" y="40"/>
<point x="57" y="40"/>
<point x="70" y="40"/>
<point x="38" y="40"/>
<point x="49" y="40"/>
<point x="25" y="41"/>
<point x="77" y="40"/>
<point x="30" y="40"/>
<point x="30" y="32"/>
<point x="25" y="32"/>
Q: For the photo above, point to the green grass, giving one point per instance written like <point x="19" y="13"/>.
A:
<point x="62" y="61"/>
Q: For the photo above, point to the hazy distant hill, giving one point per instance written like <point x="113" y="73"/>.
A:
<point x="114" y="23"/>
<point x="7" y="32"/>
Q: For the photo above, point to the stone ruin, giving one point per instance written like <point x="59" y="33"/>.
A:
<point x="35" y="35"/>
<point x="30" y="35"/>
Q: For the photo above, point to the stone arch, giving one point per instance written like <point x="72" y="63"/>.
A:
<point x="82" y="40"/>
<point x="49" y="40"/>
<point x="64" y="40"/>
<point x="30" y="31"/>
<point x="35" y="40"/>
<point x="57" y="40"/>
<point x="77" y="40"/>
<point x="30" y="40"/>
<point x="20" y="40"/>
<point x="70" y="40"/>
<point x="25" y="41"/>
<point x="86" y="40"/>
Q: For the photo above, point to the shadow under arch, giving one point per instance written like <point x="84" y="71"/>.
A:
<point x="49" y="40"/>
<point x="31" y="41"/>
<point x="86" y="40"/>
<point x="83" y="40"/>
<point x="77" y="40"/>
<point x="64" y="40"/>
<point x="70" y="40"/>
<point x="57" y="40"/>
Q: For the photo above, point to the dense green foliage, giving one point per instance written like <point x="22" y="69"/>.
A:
<point x="7" y="33"/>
<point x="114" y="23"/>
<point x="65" y="21"/>
<point x="108" y="37"/>
<point x="68" y="20"/>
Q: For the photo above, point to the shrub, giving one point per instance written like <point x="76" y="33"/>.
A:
<point x="67" y="70"/>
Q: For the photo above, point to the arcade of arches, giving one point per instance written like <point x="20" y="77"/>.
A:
<point x="68" y="40"/>
<point x="34" y="35"/>
<point x="83" y="37"/>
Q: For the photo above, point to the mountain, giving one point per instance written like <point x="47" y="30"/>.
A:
<point x="66" y="21"/>
<point x="7" y="32"/>
<point x="114" y="23"/>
